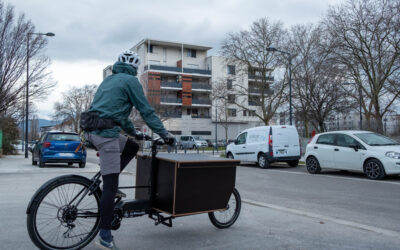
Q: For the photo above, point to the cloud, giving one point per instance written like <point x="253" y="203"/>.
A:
<point x="91" y="33"/>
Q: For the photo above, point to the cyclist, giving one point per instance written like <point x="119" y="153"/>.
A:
<point x="110" y="109"/>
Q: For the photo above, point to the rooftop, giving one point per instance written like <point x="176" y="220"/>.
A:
<point x="172" y="44"/>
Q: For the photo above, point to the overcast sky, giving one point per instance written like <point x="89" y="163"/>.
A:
<point x="91" y="33"/>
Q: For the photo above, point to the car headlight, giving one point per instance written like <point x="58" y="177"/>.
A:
<point x="392" y="154"/>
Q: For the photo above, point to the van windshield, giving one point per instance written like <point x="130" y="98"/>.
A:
<point x="198" y="138"/>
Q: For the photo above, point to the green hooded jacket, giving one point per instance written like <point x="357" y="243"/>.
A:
<point x="116" y="96"/>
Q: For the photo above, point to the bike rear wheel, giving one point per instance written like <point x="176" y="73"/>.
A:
<point x="55" y="222"/>
<point x="226" y="218"/>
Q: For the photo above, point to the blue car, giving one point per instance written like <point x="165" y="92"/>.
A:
<point x="59" y="147"/>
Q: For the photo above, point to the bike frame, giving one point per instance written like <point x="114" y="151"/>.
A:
<point x="128" y="209"/>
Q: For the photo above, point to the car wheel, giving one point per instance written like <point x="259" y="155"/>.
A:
<point x="70" y="163"/>
<point x="41" y="162"/>
<point x="82" y="164"/>
<point x="34" y="163"/>
<point x="293" y="163"/>
<point x="229" y="155"/>
<point x="262" y="161"/>
<point x="312" y="165"/>
<point x="374" y="169"/>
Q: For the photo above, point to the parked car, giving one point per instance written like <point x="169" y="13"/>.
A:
<point x="18" y="145"/>
<point x="266" y="144"/>
<point x="210" y="143"/>
<point x="191" y="142"/>
<point x="59" y="147"/>
<point x="360" y="151"/>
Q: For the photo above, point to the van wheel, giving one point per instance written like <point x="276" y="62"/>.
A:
<point x="262" y="161"/>
<point x="312" y="165"/>
<point x="229" y="155"/>
<point x="293" y="163"/>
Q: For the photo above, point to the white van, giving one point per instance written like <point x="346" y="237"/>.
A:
<point x="266" y="144"/>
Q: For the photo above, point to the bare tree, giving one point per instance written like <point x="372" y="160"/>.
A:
<point x="222" y="104"/>
<point x="75" y="101"/>
<point x="13" y="57"/>
<point x="316" y="82"/>
<point x="34" y="130"/>
<point x="366" y="37"/>
<point x="247" y="50"/>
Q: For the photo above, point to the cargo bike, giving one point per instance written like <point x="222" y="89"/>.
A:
<point x="64" y="211"/>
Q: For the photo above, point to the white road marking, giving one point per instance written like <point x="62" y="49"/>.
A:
<point x="337" y="177"/>
<point x="325" y="218"/>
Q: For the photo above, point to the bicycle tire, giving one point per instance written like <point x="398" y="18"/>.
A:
<point x="44" y="196"/>
<point x="235" y="204"/>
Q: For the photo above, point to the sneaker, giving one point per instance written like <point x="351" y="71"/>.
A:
<point x="120" y="194"/>
<point x="102" y="244"/>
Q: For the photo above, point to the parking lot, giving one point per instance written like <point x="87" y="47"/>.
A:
<point x="282" y="208"/>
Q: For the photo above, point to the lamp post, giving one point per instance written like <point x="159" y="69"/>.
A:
<point x="360" y="96"/>
<point x="272" y="49"/>
<point x="27" y="86"/>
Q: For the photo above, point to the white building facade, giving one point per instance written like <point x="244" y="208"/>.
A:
<point x="179" y="80"/>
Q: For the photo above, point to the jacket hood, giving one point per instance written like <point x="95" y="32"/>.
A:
<point x="120" y="67"/>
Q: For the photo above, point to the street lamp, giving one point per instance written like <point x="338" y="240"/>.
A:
<point x="272" y="49"/>
<point x="360" y="96"/>
<point x="27" y="86"/>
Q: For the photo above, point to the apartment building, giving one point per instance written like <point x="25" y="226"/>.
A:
<point x="179" y="78"/>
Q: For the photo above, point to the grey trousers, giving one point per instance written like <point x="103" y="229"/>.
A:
<point x="110" y="150"/>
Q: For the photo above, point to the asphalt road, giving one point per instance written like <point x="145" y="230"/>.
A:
<point x="283" y="208"/>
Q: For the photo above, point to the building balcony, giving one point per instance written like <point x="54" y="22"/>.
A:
<point x="178" y="70"/>
<point x="201" y="86"/>
<point x="255" y="77"/>
<point x="175" y="85"/>
<point x="171" y="100"/>
<point x="201" y="101"/>
<point x="172" y="115"/>
<point x="253" y="90"/>
<point x="201" y="116"/>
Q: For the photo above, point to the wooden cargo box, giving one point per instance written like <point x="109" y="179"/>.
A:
<point x="187" y="183"/>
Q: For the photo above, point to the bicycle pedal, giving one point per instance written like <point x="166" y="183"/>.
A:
<point x="120" y="194"/>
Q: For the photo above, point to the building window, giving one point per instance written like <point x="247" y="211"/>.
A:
<point x="231" y="69"/>
<point x="191" y="53"/>
<point x="229" y="84"/>
<point x="201" y="132"/>
<point x="244" y="112"/>
<point x="231" y="98"/>
<point x="232" y="112"/>
<point x="151" y="48"/>
<point x="252" y="113"/>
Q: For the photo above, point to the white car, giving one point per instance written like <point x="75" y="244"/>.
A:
<point x="361" y="151"/>
<point x="266" y="144"/>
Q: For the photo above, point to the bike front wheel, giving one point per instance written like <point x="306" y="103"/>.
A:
<point x="226" y="218"/>
<point x="63" y="214"/>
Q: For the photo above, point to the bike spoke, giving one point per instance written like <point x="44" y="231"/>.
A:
<point x="60" y="223"/>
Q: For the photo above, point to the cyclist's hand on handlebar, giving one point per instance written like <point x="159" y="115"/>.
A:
<point x="168" y="138"/>
<point x="141" y="136"/>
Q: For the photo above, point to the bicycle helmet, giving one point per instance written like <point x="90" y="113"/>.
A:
<point x="130" y="57"/>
